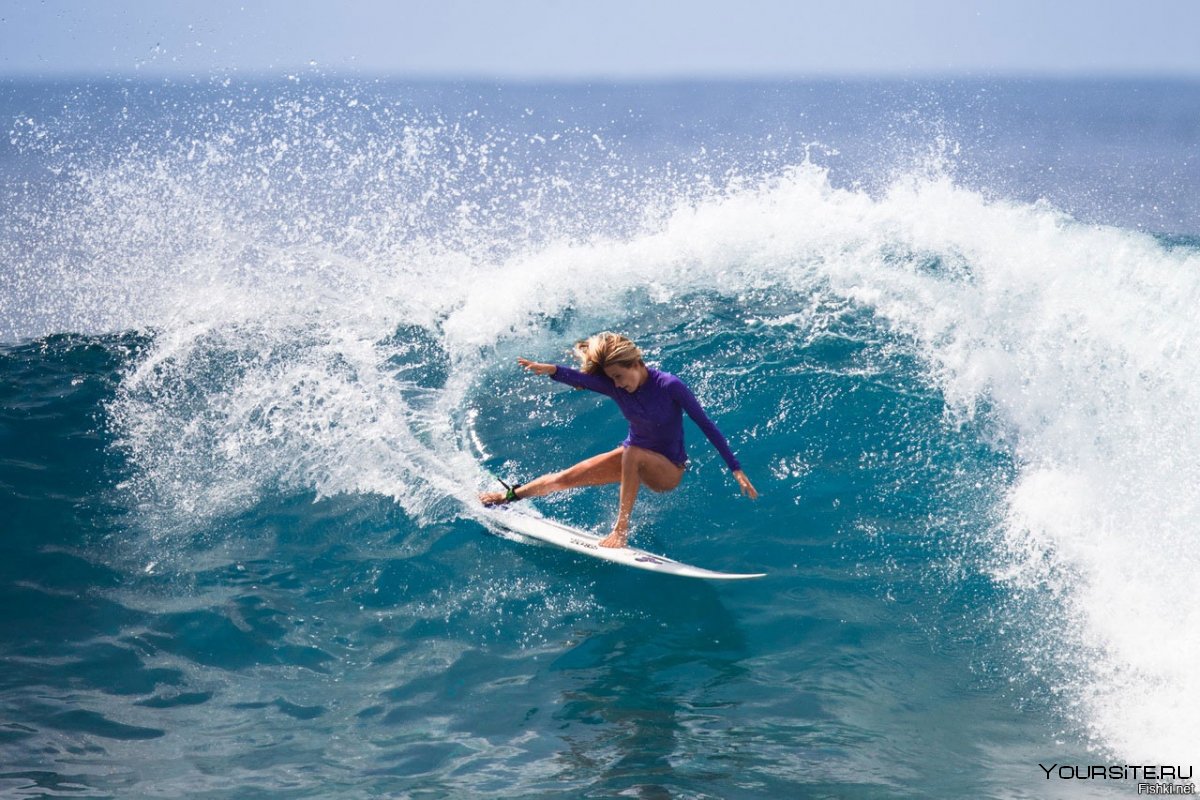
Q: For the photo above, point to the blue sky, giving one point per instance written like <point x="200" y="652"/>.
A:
<point x="573" y="39"/>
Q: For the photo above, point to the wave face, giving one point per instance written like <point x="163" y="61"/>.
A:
<point x="262" y="344"/>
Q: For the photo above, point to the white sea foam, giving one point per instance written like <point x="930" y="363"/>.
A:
<point x="294" y="341"/>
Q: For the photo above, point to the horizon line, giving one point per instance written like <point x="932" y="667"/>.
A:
<point x="649" y="78"/>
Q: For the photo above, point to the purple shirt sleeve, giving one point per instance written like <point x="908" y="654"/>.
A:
<point x="581" y="380"/>
<point x="683" y="395"/>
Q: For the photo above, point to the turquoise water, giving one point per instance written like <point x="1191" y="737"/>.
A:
<point x="260" y="350"/>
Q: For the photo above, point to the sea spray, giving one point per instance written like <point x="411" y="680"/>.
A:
<point x="332" y="291"/>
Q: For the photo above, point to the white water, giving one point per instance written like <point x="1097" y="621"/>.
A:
<point x="274" y="363"/>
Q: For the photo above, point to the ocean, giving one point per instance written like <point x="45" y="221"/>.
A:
<point x="259" y="343"/>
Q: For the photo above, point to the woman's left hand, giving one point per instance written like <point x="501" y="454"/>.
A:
<point x="747" y="487"/>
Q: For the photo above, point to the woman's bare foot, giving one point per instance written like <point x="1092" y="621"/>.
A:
<point x="493" y="498"/>
<point x="616" y="539"/>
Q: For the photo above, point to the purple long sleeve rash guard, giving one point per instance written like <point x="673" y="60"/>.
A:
<point x="655" y="412"/>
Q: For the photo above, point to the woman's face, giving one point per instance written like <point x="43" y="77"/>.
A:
<point x="628" y="378"/>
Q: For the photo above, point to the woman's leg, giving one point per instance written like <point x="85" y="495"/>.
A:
<point x="604" y="468"/>
<point x="638" y="466"/>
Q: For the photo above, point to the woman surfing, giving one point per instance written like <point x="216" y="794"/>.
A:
<point x="652" y="454"/>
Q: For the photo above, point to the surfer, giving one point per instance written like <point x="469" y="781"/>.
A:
<point x="652" y="454"/>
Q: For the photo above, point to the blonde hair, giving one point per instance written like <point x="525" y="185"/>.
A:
<point x="605" y="349"/>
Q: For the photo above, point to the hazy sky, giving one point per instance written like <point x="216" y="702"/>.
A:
<point x="617" y="38"/>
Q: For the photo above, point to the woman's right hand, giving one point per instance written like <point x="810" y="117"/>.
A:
<point x="747" y="487"/>
<point x="536" y="368"/>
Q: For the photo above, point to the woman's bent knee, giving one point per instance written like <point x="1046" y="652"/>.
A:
<point x="666" y="483"/>
<point x="654" y="470"/>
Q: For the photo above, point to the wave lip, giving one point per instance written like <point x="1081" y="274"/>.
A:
<point x="296" y="347"/>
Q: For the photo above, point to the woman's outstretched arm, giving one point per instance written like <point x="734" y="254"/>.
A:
<point x="571" y="377"/>
<point x="537" y="368"/>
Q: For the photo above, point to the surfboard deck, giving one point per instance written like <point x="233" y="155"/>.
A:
<point x="555" y="533"/>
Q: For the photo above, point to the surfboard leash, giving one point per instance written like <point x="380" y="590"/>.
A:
<point x="511" y="494"/>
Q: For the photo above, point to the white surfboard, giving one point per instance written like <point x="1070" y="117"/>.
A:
<point x="568" y="538"/>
